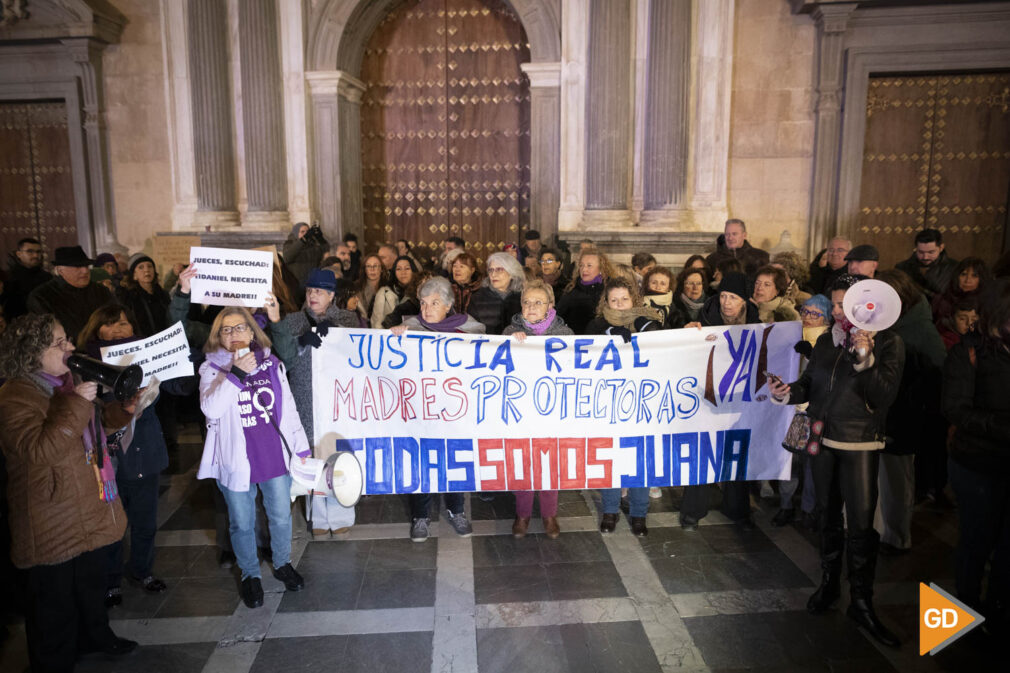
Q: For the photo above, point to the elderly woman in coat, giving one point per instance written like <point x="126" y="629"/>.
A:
<point x="295" y="337"/>
<point x="497" y="300"/>
<point x="64" y="506"/>
<point x="252" y="431"/>
<point x="437" y="315"/>
<point x="538" y="318"/>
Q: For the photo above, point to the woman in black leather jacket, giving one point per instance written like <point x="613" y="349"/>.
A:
<point x="850" y="383"/>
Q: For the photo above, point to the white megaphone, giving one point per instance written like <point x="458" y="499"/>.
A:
<point x="871" y="305"/>
<point x="339" y="476"/>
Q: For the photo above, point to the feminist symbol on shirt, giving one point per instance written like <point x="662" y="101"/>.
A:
<point x="264" y="409"/>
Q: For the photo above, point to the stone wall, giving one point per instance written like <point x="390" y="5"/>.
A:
<point x="137" y="127"/>
<point x="772" y="121"/>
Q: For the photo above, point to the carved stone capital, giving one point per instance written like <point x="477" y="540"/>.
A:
<point x="335" y="82"/>
<point x="833" y="18"/>
<point x="543" y="75"/>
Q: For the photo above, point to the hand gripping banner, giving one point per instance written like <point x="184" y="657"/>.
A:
<point x="436" y="412"/>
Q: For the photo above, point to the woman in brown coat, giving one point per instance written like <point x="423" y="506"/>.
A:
<point x="64" y="508"/>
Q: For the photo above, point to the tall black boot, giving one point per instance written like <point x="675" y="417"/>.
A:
<point x="832" y="546"/>
<point x="862" y="558"/>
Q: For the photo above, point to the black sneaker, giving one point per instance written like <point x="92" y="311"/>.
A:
<point x="251" y="592"/>
<point x="292" y="580"/>
<point x="226" y="559"/>
<point x="113" y="597"/>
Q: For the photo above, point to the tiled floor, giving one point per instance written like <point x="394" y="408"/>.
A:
<point x="718" y="599"/>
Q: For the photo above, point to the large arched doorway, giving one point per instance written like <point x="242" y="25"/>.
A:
<point x="445" y="126"/>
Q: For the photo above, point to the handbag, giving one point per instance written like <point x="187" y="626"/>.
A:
<point x="798" y="433"/>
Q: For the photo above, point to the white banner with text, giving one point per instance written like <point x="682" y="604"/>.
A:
<point x="227" y="277"/>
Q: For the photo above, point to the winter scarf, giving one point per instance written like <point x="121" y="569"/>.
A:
<point x="450" y="323"/>
<point x="538" y="328"/>
<point x="627" y="317"/>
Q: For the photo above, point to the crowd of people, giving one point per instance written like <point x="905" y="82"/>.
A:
<point x="898" y="415"/>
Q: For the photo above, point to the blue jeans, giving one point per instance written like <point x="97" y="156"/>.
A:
<point x="242" y="515"/>
<point x="638" y="498"/>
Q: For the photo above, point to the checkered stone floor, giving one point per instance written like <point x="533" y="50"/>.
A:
<point x="717" y="599"/>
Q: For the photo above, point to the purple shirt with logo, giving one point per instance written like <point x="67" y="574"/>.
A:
<point x="259" y="400"/>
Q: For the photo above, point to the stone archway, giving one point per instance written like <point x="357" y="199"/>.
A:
<point x="339" y="30"/>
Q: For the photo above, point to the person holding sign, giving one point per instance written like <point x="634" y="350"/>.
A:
<point x="139" y="466"/>
<point x="295" y="337"/>
<point x="252" y="431"/>
<point x="437" y="315"/>
<point x="621" y="313"/>
<point x="538" y="318"/>
<point x="850" y="383"/>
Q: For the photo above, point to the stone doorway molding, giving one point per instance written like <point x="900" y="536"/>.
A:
<point x="858" y="40"/>
<point x="53" y="50"/>
<point x="337" y="34"/>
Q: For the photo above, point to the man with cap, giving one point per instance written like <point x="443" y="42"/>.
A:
<point x="25" y="274"/>
<point x="72" y="296"/>
<point x="862" y="260"/>
<point x="733" y="244"/>
<point x="929" y="266"/>
<point x="529" y="254"/>
<point x="303" y="253"/>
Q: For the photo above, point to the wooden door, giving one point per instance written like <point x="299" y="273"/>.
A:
<point x="936" y="155"/>
<point x="445" y="126"/>
<point x="36" y="178"/>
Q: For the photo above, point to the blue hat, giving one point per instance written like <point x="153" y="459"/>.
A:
<point x="324" y="279"/>
<point x="819" y="303"/>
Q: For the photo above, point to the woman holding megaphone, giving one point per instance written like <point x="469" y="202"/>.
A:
<point x="850" y="382"/>
<point x="253" y="431"/>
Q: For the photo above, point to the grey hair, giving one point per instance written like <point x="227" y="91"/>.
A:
<point x="511" y="265"/>
<point x="440" y="286"/>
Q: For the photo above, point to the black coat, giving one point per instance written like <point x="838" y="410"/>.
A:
<point x="711" y="315"/>
<point x="976" y="402"/>
<point x="578" y="305"/>
<point x="853" y="405"/>
<point x="20" y="282"/>
<point x="407" y="307"/>
<point x="599" y="325"/>
<point x="935" y="279"/>
<point x="71" y="305"/>
<point x="494" y="311"/>
<point x="750" y="257"/>
<point x="149" y="310"/>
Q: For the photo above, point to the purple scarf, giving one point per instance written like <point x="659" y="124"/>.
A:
<point x="106" y="474"/>
<point x="450" y="323"/>
<point x="538" y="328"/>
<point x="595" y="281"/>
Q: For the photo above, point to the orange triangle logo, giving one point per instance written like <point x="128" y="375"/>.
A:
<point x="942" y="619"/>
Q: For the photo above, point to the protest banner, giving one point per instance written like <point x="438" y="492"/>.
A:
<point x="169" y="250"/>
<point x="432" y="412"/>
<point x="227" y="277"/>
<point x="164" y="355"/>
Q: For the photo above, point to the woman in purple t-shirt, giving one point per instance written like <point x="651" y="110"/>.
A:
<point x="252" y="424"/>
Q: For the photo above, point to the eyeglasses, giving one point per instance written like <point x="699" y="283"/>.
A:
<point x="63" y="343"/>
<point x="807" y="313"/>
<point x="237" y="329"/>
<point x="495" y="270"/>
<point x="548" y="261"/>
<point x="530" y="303"/>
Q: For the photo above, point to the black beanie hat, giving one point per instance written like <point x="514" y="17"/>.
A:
<point x="736" y="283"/>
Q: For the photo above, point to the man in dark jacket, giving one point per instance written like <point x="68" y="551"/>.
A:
<point x="829" y="265"/>
<point x="303" y="252"/>
<point x="734" y="245"/>
<point x="72" y="296"/>
<point x="929" y="266"/>
<point x="26" y="274"/>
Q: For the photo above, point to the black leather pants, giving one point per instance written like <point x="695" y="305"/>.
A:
<point x="848" y="478"/>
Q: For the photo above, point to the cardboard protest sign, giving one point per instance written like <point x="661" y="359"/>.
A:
<point x="430" y="412"/>
<point x="227" y="277"/>
<point x="164" y="355"/>
<point x="171" y="250"/>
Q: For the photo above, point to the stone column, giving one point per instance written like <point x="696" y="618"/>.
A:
<point x="666" y="105"/>
<point x="545" y="146"/>
<point x="336" y="132"/>
<point x="262" y="113"/>
<point x="213" y="149"/>
<point x="831" y="21"/>
<point x="296" y="119"/>
<point x="87" y="55"/>
<point x="714" y="84"/>
<point x="609" y="110"/>
<point x="574" y="47"/>
<point x="180" y="113"/>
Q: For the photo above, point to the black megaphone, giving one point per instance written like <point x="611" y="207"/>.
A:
<point x="124" y="382"/>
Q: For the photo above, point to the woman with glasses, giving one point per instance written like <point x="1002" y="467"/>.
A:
<point x="538" y="318"/>
<point x="690" y="297"/>
<point x="65" y="509"/>
<point x="252" y="431"/>
<point x="497" y="300"/>
<point x="437" y="315"/>
<point x="552" y="271"/>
